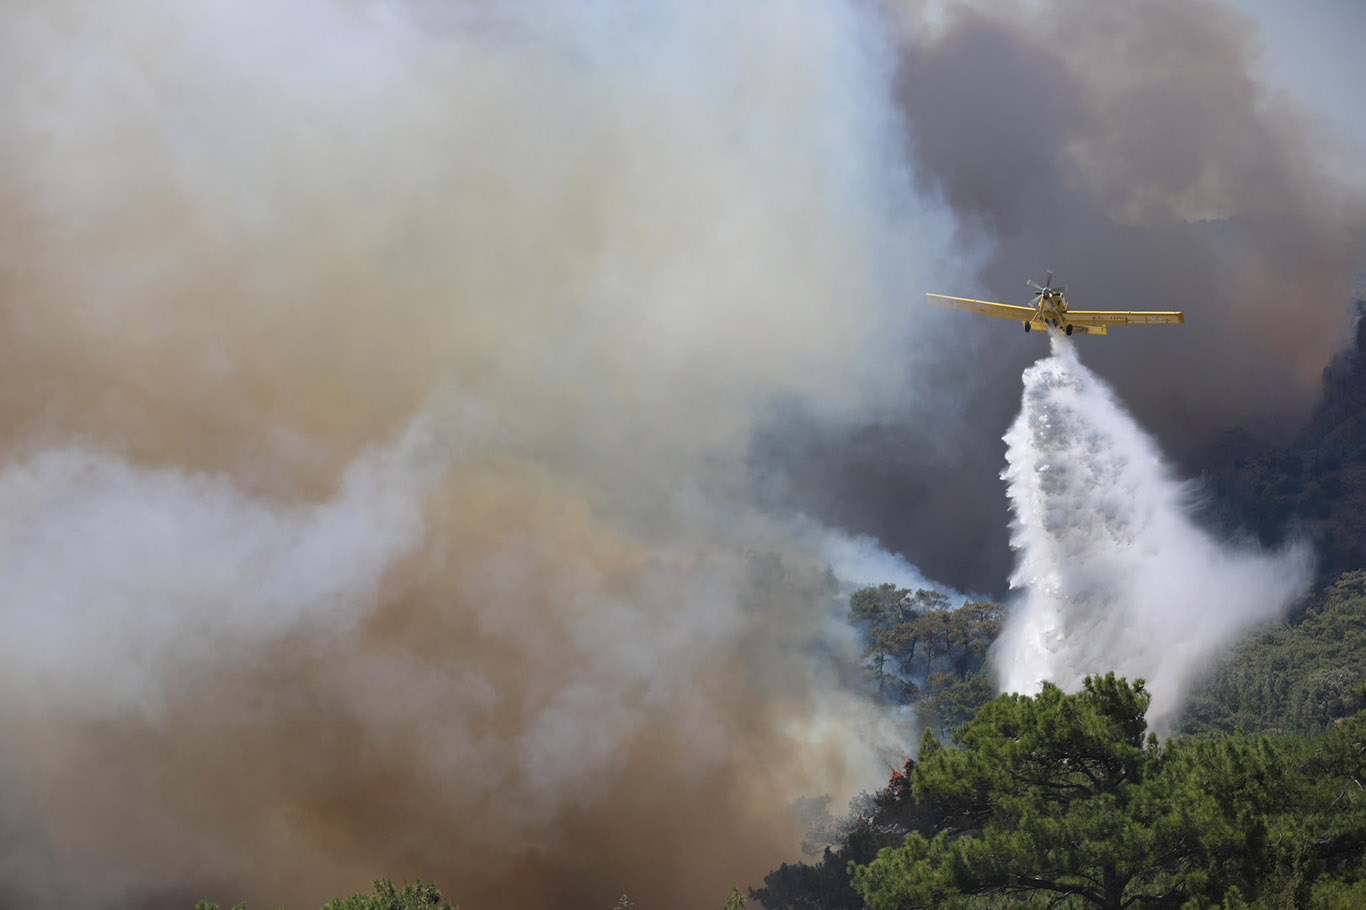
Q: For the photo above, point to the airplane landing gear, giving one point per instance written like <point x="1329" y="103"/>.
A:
<point x="1026" y="327"/>
<point x="1069" y="330"/>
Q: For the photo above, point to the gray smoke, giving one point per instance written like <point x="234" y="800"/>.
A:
<point x="1134" y="148"/>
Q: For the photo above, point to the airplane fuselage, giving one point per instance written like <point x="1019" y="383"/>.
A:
<point x="1053" y="309"/>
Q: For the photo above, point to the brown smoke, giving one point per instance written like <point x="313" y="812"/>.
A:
<point x="375" y="381"/>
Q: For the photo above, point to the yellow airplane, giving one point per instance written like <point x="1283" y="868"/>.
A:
<point x="1050" y="309"/>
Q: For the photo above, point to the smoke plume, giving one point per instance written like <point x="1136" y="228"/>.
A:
<point x="1136" y="149"/>
<point x="1114" y="575"/>
<point x="408" y="409"/>
<point x="376" y="382"/>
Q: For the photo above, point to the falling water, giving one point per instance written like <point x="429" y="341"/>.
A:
<point x="1113" y="573"/>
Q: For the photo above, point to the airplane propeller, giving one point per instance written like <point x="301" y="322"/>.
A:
<point x="1047" y="286"/>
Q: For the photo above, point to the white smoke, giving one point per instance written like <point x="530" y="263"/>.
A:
<point x="1115" y="574"/>
<point x="245" y="241"/>
<point x="858" y="560"/>
<point x="177" y="569"/>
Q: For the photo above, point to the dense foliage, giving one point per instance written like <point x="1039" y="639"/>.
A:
<point x="1296" y="677"/>
<point x="909" y="634"/>
<point x="1059" y="800"/>
<point x="1063" y="796"/>
<point x="1065" y="801"/>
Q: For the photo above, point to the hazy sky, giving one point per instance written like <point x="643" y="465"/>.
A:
<point x="1314" y="50"/>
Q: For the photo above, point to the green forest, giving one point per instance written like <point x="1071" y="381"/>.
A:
<point x="1067" y="800"/>
<point x="1257" y="800"/>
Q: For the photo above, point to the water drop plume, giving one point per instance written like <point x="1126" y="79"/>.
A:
<point x="1114" y="573"/>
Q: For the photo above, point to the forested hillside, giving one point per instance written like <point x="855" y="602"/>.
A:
<point x="1299" y="676"/>
<point x="1302" y="673"/>
<point x="1062" y="801"/>
<point x="921" y="651"/>
<point x="1315" y="485"/>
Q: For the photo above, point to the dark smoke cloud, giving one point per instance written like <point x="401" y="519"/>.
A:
<point x="1131" y="147"/>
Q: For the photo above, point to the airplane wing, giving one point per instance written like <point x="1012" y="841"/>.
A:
<point x="985" y="307"/>
<point x="1104" y="318"/>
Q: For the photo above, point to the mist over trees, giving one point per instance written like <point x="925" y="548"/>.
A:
<point x="1294" y="677"/>
<point x="916" y="644"/>
<point x="1060" y="800"/>
<point x="1066" y="800"/>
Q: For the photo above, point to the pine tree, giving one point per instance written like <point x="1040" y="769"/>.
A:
<point x="1065" y="797"/>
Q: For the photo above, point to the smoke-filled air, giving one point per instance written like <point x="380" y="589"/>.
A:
<point x="439" y="437"/>
<point x="1113" y="573"/>
<point x="376" y="382"/>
